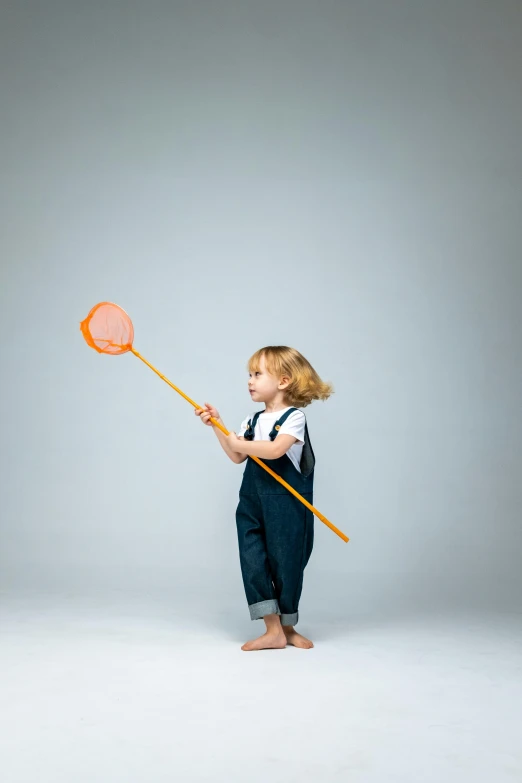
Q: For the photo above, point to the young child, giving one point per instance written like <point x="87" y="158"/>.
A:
<point x="275" y="530"/>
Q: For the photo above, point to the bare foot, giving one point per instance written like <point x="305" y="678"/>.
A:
<point x="294" y="638"/>
<point x="269" y="641"/>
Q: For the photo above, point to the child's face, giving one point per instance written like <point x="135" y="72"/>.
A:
<point x="263" y="386"/>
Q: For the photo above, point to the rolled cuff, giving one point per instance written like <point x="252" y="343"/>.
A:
<point x="259" y="610"/>
<point x="290" y="619"/>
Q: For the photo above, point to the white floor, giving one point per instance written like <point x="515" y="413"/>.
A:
<point x="97" y="688"/>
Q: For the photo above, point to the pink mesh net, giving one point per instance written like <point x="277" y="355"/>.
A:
<point x="108" y="329"/>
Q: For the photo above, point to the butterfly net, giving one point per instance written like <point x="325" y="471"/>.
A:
<point x="108" y="329"/>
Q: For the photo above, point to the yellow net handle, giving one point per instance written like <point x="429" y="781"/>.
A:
<point x="256" y="459"/>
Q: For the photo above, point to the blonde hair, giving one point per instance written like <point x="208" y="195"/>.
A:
<point x="305" y="384"/>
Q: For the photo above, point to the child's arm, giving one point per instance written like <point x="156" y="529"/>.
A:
<point x="223" y="439"/>
<point x="205" y="414"/>
<point x="264" y="449"/>
<point x="238" y="449"/>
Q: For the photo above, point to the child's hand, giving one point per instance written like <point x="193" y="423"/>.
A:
<point x="206" y="413"/>
<point x="233" y="441"/>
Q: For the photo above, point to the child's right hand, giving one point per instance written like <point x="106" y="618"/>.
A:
<point x="206" y="413"/>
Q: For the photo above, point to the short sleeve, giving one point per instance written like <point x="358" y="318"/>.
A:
<point x="295" y="426"/>
<point x="244" y="426"/>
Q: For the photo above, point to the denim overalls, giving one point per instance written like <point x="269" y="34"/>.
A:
<point x="275" y="530"/>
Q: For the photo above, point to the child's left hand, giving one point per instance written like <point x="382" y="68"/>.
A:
<point x="233" y="441"/>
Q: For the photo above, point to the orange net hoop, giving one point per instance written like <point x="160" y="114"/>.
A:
<point x="108" y="329"/>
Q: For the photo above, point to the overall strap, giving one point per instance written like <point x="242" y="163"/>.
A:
<point x="249" y="434"/>
<point x="279" y="422"/>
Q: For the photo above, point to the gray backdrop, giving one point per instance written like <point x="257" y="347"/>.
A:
<point x="342" y="177"/>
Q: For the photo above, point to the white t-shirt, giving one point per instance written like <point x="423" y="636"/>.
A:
<point x="294" y="425"/>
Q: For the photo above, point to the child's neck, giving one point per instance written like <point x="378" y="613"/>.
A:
<point x="275" y="407"/>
